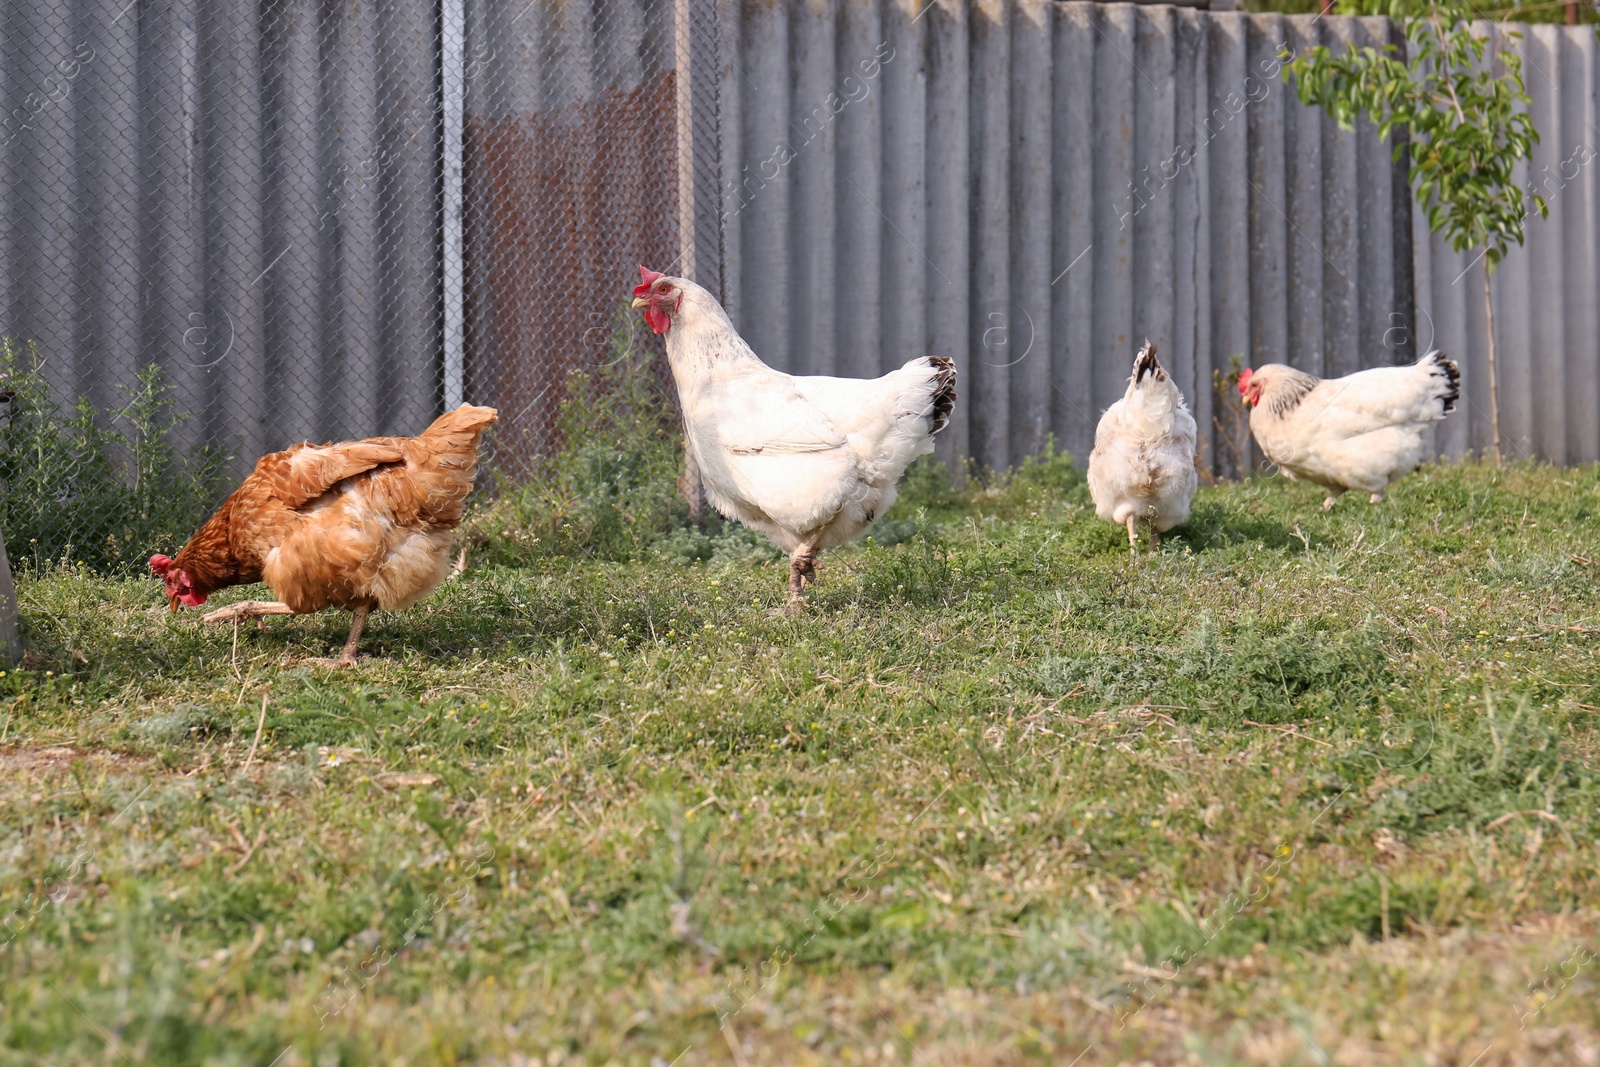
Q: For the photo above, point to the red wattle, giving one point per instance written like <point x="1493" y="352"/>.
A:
<point x="659" y="320"/>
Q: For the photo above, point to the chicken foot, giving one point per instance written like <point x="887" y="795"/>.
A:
<point x="254" y="609"/>
<point x="802" y="571"/>
<point x="348" y="657"/>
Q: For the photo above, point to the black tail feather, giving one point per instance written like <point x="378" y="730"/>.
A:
<point x="944" y="390"/>
<point x="1452" y="375"/>
<point x="1146" y="363"/>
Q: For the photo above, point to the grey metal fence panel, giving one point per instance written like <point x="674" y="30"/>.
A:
<point x="245" y="199"/>
<point x="572" y="178"/>
<point x="1034" y="187"/>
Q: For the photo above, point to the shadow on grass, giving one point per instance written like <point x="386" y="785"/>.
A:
<point x="1212" y="527"/>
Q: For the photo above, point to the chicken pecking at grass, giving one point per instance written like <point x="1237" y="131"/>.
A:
<point x="1363" y="431"/>
<point x="1142" y="466"/>
<point x="358" y="525"/>
<point x="809" y="461"/>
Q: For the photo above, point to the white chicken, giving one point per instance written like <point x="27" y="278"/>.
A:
<point x="1363" y="431"/>
<point x="809" y="461"/>
<point x="1142" y="466"/>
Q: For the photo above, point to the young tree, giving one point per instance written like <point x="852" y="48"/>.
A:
<point x="1465" y="129"/>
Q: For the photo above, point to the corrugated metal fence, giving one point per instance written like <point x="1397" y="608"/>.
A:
<point x="1035" y="187"/>
<point x="246" y="195"/>
<point x="260" y="200"/>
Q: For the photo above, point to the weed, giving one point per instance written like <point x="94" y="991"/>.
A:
<point x="610" y="491"/>
<point x="102" y="488"/>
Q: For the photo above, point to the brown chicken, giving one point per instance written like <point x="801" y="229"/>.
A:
<point x="357" y="525"/>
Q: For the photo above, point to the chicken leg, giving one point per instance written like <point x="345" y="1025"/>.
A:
<point x="348" y="657"/>
<point x="802" y="570"/>
<point x="251" y="609"/>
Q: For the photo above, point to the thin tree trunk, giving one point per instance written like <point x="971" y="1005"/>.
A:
<point x="1494" y="380"/>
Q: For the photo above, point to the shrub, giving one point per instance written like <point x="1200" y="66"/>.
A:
<point x="105" y="488"/>
<point x="611" y="489"/>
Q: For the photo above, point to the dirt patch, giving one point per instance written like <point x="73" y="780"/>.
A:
<point x="34" y="758"/>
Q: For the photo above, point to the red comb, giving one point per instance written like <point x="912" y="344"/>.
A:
<point x="1244" y="380"/>
<point x="160" y="563"/>
<point x="649" y="277"/>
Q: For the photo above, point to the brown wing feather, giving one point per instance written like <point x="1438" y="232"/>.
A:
<point x="312" y="471"/>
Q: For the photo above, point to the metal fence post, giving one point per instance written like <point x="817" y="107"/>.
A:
<point x="10" y="628"/>
<point x="698" y="61"/>
<point x="453" y="94"/>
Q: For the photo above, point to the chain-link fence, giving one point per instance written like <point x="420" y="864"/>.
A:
<point x="228" y="228"/>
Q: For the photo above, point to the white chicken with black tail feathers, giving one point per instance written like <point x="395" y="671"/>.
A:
<point x="1363" y="431"/>
<point x="1142" y="466"/>
<point x="809" y="461"/>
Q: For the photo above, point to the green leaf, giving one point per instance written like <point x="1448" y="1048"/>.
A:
<point x="907" y="915"/>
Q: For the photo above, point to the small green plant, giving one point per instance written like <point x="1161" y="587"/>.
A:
<point x="930" y="486"/>
<point x="1506" y="759"/>
<point x="1468" y="126"/>
<point x="103" y="488"/>
<point x="610" y="488"/>
<point x="1230" y="423"/>
<point x="916" y="569"/>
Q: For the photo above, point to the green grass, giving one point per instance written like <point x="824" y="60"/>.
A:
<point x="1302" y="789"/>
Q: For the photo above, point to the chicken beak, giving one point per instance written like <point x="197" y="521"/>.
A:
<point x="172" y="603"/>
<point x="640" y="302"/>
